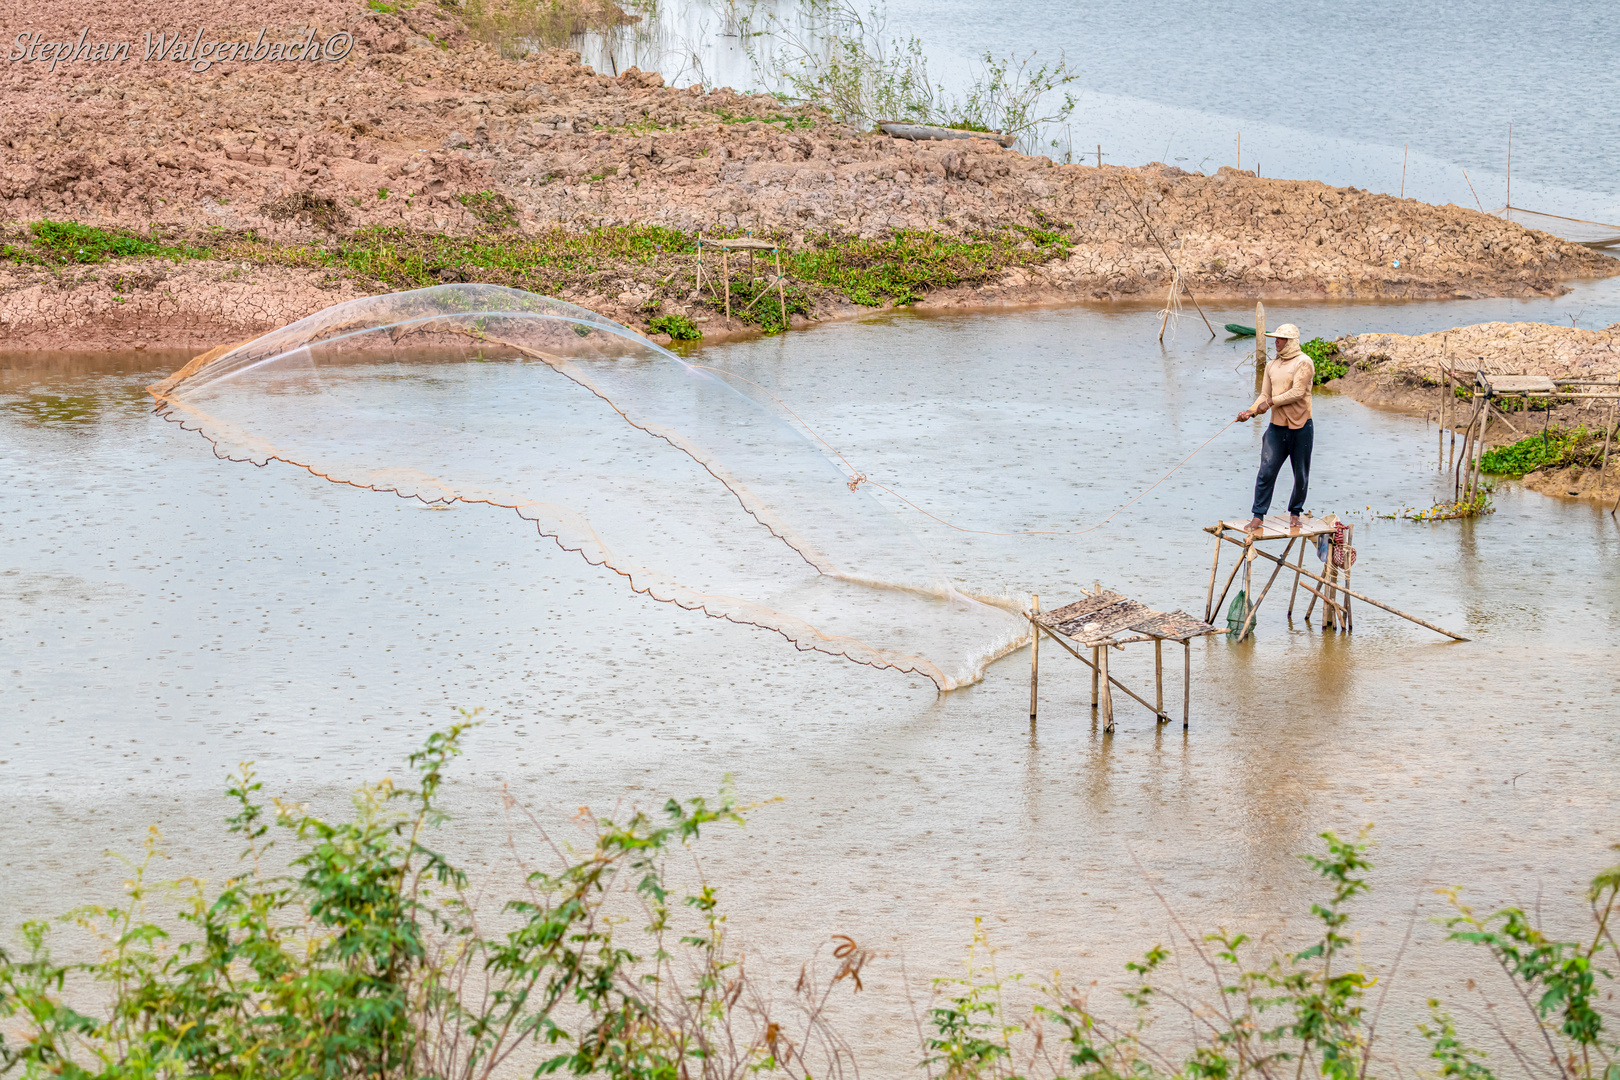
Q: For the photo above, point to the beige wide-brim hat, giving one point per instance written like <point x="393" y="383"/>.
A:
<point x="1286" y="330"/>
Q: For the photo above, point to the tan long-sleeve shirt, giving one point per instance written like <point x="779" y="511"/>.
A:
<point x="1286" y="391"/>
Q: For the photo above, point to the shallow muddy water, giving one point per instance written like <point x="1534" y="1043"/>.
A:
<point x="165" y="615"/>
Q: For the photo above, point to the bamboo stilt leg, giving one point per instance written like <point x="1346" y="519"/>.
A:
<point x="1259" y="345"/>
<point x="1350" y="546"/>
<point x="1214" y="566"/>
<point x="1107" y="691"/>
<point x="1603" y="465"/>
<point x="1186" y="682"/>
<point x="1248" y="582"/>
<point x="1295" y="591"/>
<point x="725" y="272"/>
<point x="1254" y="606"/>
<point x="1034" y="655"/>
<point x="1094" y="678"/>
<point x="781" y="294"/>
<point x="1158" y="679"/>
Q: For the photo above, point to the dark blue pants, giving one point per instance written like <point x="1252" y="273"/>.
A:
<point x="1282" y="442"/>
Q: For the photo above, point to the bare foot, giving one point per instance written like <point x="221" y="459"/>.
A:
<point x="1294" y="522"/>
<point x="1254" y="525"/>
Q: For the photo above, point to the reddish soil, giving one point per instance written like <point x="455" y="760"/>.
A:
<point x="419" y="113"/>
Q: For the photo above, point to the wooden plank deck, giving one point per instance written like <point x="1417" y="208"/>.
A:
<point x="1275" y="527"/>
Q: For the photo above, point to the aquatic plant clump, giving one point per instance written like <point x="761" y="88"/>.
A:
<point x="663" y="472"/>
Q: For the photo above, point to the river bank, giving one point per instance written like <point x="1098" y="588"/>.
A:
<point x="265" y="192"/>
<point x="1403" y="373"/>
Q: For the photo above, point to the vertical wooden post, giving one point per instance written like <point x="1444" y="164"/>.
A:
<point x="1350" y="546"/>
<point x="1107" y="691"/>
<point x="1259" y="345"/>
<point x="1034" y="653"/>
<point x="1603" y="465"/>
<point x="725" y="272"/>
<point x="1479" y="452"/>
<point x="1096" y="664"/>
<point x="1099" y="155"/>
<point x="781" y="294"/>
<point x="1299" y="564"/>
<point x="699" y="286"/>
<point x="1158" y="679"/>
<point x="1214" y="566"/>
<point x="1440" y="452"/>
<point x="1186" y="682"/>
<point x="1248" y="579"/>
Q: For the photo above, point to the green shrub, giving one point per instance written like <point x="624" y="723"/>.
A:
<point x="367" y="959"/>
<point x="1559" y="447"/>
<point x="678" y="327"/>
<point x="1323" y="354"/>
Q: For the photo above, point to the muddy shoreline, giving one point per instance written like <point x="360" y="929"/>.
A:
<point x="426" y="134"/>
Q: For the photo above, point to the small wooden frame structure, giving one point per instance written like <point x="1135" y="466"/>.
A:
<point x="1334" y="593"/>
<point x="748" y="244"/>
<point x="1486" y="386"/>
<point x="1096" y="622"/>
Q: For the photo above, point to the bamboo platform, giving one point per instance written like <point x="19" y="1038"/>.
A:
<point x="1108" y="620"/>
<point x="750" y="245"/>
<point x="1331" y="588"/>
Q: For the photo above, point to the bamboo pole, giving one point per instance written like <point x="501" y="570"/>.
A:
<point x="1034" y="654"/>
<point x="1259" y="346"/>
<point x="1158" y="679"/>
<point x="1214" y="567"/>
<point x="1213" y="529"/>
<point x="1603" y="465"/>
<point x="781" y="293"/>
<point x="1349" y="546"/>
<point x="1107" y="692"/>
<point x="725" y="272"/>
<point x="1174" y="266"/>
<point x="1440" y="450"/>
<point x="1169" y="300"/>
<point x="1294" y="592"/>
<point x="699" y="286"/>
<point x="1404" y="152"/>
<point x="1186" y="682"/>
<point x="1248" y="582"/>
<point x="1229" y="577"/>
<point x="1254" y="605"/>
<point x="1479" y="450"/>
<point x="1074" y="653"/>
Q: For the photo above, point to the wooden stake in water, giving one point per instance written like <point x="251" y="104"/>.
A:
<point x="1034" y="654"/>
<point x="1259" y="345"/>
<point x="1099" y="155"/>
<point x="1507" y="211"/>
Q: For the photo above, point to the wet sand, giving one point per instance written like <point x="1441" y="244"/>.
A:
<point x="170" y="614"/>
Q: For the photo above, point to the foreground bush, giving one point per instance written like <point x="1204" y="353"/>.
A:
<point x="366" y="958"/>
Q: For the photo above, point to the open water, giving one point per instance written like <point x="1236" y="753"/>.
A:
<point x="165" y="615"/>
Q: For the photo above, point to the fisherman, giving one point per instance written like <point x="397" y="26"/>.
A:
<point x="1286" y="391"/>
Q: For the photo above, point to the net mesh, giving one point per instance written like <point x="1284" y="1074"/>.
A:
<point x="1592" y="234"/>
<point x="663" y="473"/>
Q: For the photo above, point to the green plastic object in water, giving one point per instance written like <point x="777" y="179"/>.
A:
<point x="1239" y="330"/>
<point x="1236" y="612"/>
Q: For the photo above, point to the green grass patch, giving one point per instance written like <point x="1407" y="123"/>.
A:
<point x="55" y="243"/>
<point x="490" y="207"/>
<point x="678" y="327"/>
<point x="1323" y="354"/>
<point x="1560" y="447"/>
<point x="787" y="123"/>
<point x="905" y="267"/>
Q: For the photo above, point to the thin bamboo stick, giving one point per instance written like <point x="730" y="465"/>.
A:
<point x="725" y="272"/>
<point x="1259" y="346"/>
<point x="1359" y="596"/>
<point x="1214" y="566"/>
<point x="1113" y="681"/>
<point x="1295" y="591"/>
<point x="1254" y="606"/>
<point x="1034" y="654"/>
<point x="1094" y="690"/>
<point x="1349" y="546"/>
<point x="781" y="292"/>
<point x="1603" y="465"/>
<point x="1186" y="682"/>
<point x="1248" y="583"/>
<point x="1107" y="693"/>
<point x="1158" y="679"/>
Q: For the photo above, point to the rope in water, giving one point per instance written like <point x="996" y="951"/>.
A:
<point x="861" y="478"/>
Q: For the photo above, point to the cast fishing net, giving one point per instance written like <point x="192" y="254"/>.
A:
<point x="664" y="473"/>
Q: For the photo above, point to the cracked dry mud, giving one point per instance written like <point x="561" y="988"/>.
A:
<point x="420" y="113"/>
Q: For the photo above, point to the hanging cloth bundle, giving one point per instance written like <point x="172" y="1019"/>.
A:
<point x="1344" y="556"/>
